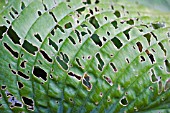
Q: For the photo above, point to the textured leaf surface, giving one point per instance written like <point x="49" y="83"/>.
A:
<point x="83" y="56"/>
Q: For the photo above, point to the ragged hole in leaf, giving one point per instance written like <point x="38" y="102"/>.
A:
<point x="127" y="60"/>
<point x="158" y="25"/>
<point x="64" y="57"/>
<point x="167" y="65"/>
<point x="15" y="54"/>
<point x="83" y="33"/>
<point x="96" y="39"/>
<point x="14" y="102"/>
<point x="87" y="16"/>
<point x="3" y="87"/>
<point x="52" y="32"/>
<point x="101" y="94"/>
<point x="60" y="40"/>
<point x="40" y="73"/>
<point x="78" y="35"/>
<point x="114" y="23"/>
<point x="29" y="47"/>
<point x="68" y="25"/>
<point x="21" y="74"/>
<point x="117" y="14"/>
<point x="105" y="18"/>
<point x="162" y="47"/>
<point x="46" y="56"/>
<point x="62" y="63"/>
<point x="2" y="31"/>
<point x="130" y="22"/>
<point x="78" y="62"/>
<point x="89" y="31"/>
<point x="51" y="13"/>
<point x="142" y="58"/>
<point x="13" y="35"/>
<point x="108" y="33"/>
<point x="154" y="36"/>
<point x="14" y="10"/>
<point x="91" y="11"/>
<point x="140" y="47"/>
<point x="38" y="37"/>
<point x="86" y="82"/>
<point x="53" y="44"/>
<point x="74" y="75"/>
<point x="12" y="15"/>
<point x="148" y="37"/>
<point x="40" y="62"/>
<point x="153" y="76"/>
<point x="8" y="94"/>
<point x="29" y="102"/>
<point x="108" y="80"/>
<point x="20" y="85"/>
<point x="80" y="10"/>
<point x="22" y="5"/>
<point x="160" y="87"/>
<point x="117" y="42"/>
<point x="23" y="64"/>
<point x="59" y="27"/>
<point x="101" y="63"/>
<point x="126" y="32"/>
<point x="94" y="22"/>
<point x="123" y="101"/>
<point x="104" y="39"/>
<point x="113" y="67"/>
<point x="14" y="72"/>
<point x="72" y="40"/>
<point x="151" y="57"/>
<point x="167" y="84"/>
<point x="39" y="13"/>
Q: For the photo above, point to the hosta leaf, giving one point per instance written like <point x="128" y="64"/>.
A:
<point x="83" y="56"/>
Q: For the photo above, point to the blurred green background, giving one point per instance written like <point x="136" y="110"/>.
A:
<point x="162" y="5"/>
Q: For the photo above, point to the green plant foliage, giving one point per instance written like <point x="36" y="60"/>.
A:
<point x="81" y="56"/>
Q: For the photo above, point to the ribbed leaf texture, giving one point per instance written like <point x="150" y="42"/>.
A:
<point x="81" y="56"/>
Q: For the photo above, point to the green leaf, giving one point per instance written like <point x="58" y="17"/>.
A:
<point x="83" y="56"/>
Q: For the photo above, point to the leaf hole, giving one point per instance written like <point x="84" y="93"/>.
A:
<point x="140" y="47"/>
<point x="21" y="74"/>
<point x="20" y="85"/>
<point x="62" y="63"/>
<point x="108" y="80"/>
<point x="38" y="37"/>
<point x="68" y="25"/>
<point x="15" y="54"/>
<point x="39" y="13"/>
<point x="101" y="63"/>
<point x="29" y="102"/>
<point x="167" y="65"/>
<point x="114" y="23"/>
<point x="2" y="31"/>
<point x="86" y="82"/>
<point x="53" y="44"/>
<point x="22" y="6"/>
<point x="3" y="87"/>
<point x="117" y="14"/>
<point x="124" y="101"/>
<point x="142" y="58"/>
<point x="13" y="35"/>
<point x="117" y="42"/>
<point x="94" y="22"/>
<point x="113" y="67"/>
<point x="29" y="47"/>
<point x="23" y="64"/>
<point x="96" y="39"/>
<point x="44" y="54"/>
<point x="60" y="40"/>
<point x="40" y="73"/>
